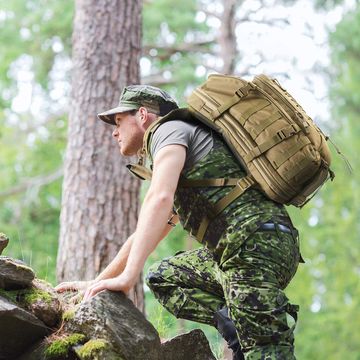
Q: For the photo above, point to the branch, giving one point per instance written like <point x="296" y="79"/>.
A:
<point x="164" y="52"/>
<point x="37" y="181"/>
<point x="271" y="22"/>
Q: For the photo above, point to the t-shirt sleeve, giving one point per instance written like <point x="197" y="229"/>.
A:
<point x="196" y="138"/>
<point x="174" y="132"/>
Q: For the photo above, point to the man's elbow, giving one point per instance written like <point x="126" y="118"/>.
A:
<point x="161" y="199"/>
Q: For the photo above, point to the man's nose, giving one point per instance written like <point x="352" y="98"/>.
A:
<point x="115" y="133"/>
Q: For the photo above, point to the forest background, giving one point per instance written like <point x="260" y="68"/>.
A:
<point x="180" y="48"/>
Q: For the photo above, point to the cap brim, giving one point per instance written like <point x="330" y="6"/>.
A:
<point x="109" y="116"/>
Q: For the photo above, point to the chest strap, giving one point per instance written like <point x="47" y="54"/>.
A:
<point x="240" y="186"/>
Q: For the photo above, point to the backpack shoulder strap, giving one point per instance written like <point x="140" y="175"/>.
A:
<point x="177" y="114"/>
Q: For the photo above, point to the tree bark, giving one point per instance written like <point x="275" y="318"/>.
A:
<point x="100" y="200"/>
<point x="227" y="36"/>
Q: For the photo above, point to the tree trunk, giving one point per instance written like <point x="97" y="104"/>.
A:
<point x="100" y="200"/>
<point x="227" y="36"/>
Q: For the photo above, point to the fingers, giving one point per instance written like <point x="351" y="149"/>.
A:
<point x="94" y="289"/>
<point x="66" y="286"/>
<point x="73" y="285"/>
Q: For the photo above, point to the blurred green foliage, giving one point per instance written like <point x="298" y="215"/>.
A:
<point x="33" y="142"/>
<point x="37" y="34"/>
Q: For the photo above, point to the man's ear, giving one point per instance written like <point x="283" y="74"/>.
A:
<point x="143" y="115"/>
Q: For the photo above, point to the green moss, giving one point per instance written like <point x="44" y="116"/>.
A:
<point x="60" y="347"/>
<point x="91" y="348"/>
<point x="35" y="294"/>
<point x="26" y="297"/>
<point x="68" y="314"/>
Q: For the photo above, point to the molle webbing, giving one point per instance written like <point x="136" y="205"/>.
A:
<point x="270" y="134"/>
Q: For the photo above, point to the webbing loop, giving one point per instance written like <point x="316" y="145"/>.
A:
<point x="239" y="94"/>
<point x="281" y="135"/>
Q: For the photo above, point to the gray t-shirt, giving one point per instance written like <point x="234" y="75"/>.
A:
<point x="196" y="138"/>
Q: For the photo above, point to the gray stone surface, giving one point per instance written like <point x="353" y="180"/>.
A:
<point x="18" y="331"/>
<point x="193" y="345"/>
<point x="4" y="240"/>
<point x="35" y="352"/>
<point x="113" y="317"/>
<point x="14" y="274"/>
<point x="46" y="308"/>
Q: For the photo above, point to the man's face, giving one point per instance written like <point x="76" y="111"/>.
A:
<point x="128" y="133"/>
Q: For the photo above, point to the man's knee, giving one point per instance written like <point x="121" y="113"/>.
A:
<point x="261" y="317"/>
<point x="153" y="275"/>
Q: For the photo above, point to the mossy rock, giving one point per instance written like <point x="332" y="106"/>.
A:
<point x="97" y="349"/>
<point x="68" y="314"/>
<point x="61" y="347"/>
<point x="14" y="274"/>
<point x="40" y="299"/>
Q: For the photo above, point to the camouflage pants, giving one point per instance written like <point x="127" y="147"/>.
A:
<point x="192" y="285"/>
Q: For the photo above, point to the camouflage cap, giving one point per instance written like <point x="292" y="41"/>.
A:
<point x="157" y="101"/>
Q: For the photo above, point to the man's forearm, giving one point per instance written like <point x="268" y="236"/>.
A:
<point x="152" y="226"/>
<point x="118" y="264"/>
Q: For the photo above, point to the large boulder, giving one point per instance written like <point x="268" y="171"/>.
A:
<point x="113" y="320"/>
<point x="193" y="345"/>
<point x="18" y="331"/>
<point x="14" y="274"/>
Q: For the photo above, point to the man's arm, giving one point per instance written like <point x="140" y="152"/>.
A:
<point x="152" y="223"/>
<point x="116" y="266"/>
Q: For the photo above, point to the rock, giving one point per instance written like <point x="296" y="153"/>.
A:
<point x="4" y="240"/>
<point x="35" y="352"/>
<point x="96" y="349"/>
<point x="14" y="274"/>
<point x="113" y="318"/>
<point x="193" y="345"/>
<point x="52" y="348"/>
<point x="18" y="331"/>
<point x="40" y="299"/>
<point x="43" y="302"/>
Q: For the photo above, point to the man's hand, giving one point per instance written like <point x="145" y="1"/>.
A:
<point x="120" y="283"/>
<point x="74" y="285"/>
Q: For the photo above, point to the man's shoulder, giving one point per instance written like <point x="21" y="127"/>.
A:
<point x="177" y="124"/>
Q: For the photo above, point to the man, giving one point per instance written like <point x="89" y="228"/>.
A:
<point x="235" y="282"/>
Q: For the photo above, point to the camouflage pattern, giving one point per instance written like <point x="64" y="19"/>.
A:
<point x="132" y="97"/>
<point x="240" y="266"/>
<point x="239" y="220"/>
<point x="192" y="285"/>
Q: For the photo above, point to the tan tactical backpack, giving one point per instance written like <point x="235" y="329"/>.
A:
<point x="279" y="145"/>
<point x="284" y="153"/>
